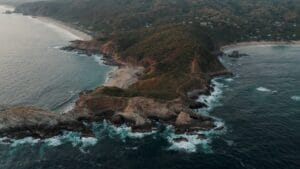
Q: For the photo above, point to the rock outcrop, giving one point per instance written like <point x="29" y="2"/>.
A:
<point x="142" y="113"/>
<point x="21" y="122"/>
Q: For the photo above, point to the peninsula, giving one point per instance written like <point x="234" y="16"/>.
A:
<point x="172" y="48"/>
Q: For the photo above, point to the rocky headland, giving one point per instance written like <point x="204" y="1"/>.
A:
<point x="166" y="54"/>
<point x="159" y="90"/>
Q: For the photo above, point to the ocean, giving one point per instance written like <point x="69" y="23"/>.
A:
<point x="33" y="69"/>
<point x="259" y="107"/>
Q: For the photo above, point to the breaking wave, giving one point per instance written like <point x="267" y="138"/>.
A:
<point x="212" y="100"/>
<point x="202" y="139"/>
<point x="295" y="98"/>
<point x="263" y="89"/>
<point x="189" y="143"/>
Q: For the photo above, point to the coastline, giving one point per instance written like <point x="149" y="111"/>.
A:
<point x="123" y="77"/>
<point x="79" y="34"/>
<point x="119" y="76"/>
<point x="257" y="43"/>
<point x="71" y="29"/>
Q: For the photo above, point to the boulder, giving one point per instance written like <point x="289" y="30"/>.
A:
<point x="183" y="119"/>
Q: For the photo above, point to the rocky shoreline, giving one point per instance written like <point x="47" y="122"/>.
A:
<point x="140" y="113"/>
<point x="117" y="103"/>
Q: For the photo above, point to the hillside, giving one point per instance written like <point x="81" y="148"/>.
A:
<point x="175" y="41"/>
<point x="223" y="20"/>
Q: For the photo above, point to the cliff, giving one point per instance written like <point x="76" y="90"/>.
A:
<point x="174" y="64"/>
<point x="175" y="42"/>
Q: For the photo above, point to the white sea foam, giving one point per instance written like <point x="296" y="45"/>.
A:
<point x="109" y="74"/>
<point x="27" y="140"/>
<point x="295" y="98"/>
<point x="54" y="141"/>
<point x="122" y="132"/>
<point x="89" y="141"/>
<point x="58" y="47"/>
<point x="212" y="100"/>
<point x="74" y="138"/>
<point x="4" y="140"/>
<point x="69" y="107"/>
<point x="98" y="59"/>
<point x="263" y="89"/>
<point x="191" y="143"/>
<point x="229" y="79"/>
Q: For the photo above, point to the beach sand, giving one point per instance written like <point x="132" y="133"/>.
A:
<point x="257" y="43"/>
<point x="123" y="77"/>
<point x="80" y="35"/>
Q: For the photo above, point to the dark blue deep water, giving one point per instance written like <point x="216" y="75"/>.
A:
<point x="260" y="106"/>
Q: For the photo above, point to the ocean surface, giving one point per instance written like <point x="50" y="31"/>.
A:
<point x="259" y="107"/>
<point x="33" y="69"/>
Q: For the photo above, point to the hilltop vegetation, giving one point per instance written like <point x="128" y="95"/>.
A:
<point x="173" y="39"/>
<point x="223" y="20"/>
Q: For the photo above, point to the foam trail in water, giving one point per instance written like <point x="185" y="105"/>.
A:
<point x="229" y="79"/>
<point x="263" y="89"/>
<point x="295" y="98"/>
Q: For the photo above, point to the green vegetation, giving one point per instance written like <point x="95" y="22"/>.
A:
<point x="173" y="39"/>
<point x="223" y="20"/>
<point x="117" y="92"/>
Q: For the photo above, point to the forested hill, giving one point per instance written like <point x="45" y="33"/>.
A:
<point x="223" y="20"/>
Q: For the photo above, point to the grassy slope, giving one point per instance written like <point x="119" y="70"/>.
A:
<point x="172" y="39"/>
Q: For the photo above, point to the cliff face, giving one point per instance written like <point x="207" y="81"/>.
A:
<point x="176" y="70"/>
<point x="178" y="66"/>
<point x="19" y="122"/>
<point x="142" y="114"/>
<point x="174" y="57"/>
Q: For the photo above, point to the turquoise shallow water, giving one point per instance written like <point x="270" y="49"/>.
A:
<point x="259" y="105"/>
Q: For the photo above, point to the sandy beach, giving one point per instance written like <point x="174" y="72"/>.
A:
<point x="123" y="77"/>
<point x="257" y="43"/>
<point x="76" y="34"/>
<point x="79" y="34"/>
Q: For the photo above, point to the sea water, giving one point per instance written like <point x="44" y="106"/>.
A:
<point x="258" y="107"/>
<point x="33" y="69"/>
